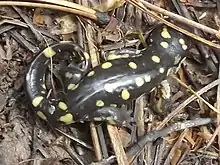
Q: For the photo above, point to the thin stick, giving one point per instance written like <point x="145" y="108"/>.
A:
<point x="186" y="102"/>
<point x="87" y="13"/>
<point x="117" y="146"/>
<point x="136" y="149"/>
<point x="181" y="19"/>
<point x="68" y="4"/>
<point x="196" y="37"/>
<point x="197" y="95"/>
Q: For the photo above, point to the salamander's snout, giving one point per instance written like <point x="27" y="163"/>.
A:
<point x="169" y="42"/>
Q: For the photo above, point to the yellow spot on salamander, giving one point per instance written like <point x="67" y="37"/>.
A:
<point x="139" y="81"/>
<point x="98" y="119"/>
<point x="49" y="52"/>
<point x="43" y="92"/>
<point x="133" y="65"/>
<point x="67" y="119"/>
<point x="106" y="65"/>
<point x="41" y="115"/>
<point x="125" y="95"/>
<point x="161" y="70"/>
<point x="37" y="100"/>
<point x="91" y="73"/>
<point x="62" y="105"/>
<point x="165" y="33"/>
<point x="113" y="105"/>
<point x="100" y="103"/>
<point x="184" y="47"/>
<point x="72" y="87"/>
<point x="182" y="42"/>
<point x="147" y="78"/>
<point x="164" y="44"/>
<point x="109" y="88"/>
<point x="43" y="86"/>
<point x="155" y="59"/>
<point x="124" y="55"/>
<point x="112" y="57"/>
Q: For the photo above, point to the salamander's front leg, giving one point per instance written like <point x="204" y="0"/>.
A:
<point x="114" y="116"/>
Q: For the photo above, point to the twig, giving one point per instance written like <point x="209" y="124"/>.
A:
<point x="68" y="4"/>
<point x="186" y="102"/>
<point x="5" y="28"/>
<point x="217" y="131"/>
<point x="181" y="19"/>
<point x="197" y="95"/>
<point x="95" y="141"/>
<point x="196" y="37"/>
<point x="136" y="149"/>
<point x="13" y="22"/>
<point x="87" y="13"/>
<point x="28" y="22"/>
<point x="76" y="140"/>
<point x="117" y="145"/>
<point x="174" y="147"/>
<point x="23" y="42"/>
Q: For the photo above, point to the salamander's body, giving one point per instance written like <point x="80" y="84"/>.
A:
<point x="115" y="82"/>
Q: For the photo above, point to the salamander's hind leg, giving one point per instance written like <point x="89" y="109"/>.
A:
<point x="115" y="116"/>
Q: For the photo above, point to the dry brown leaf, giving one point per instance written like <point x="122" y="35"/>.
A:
<point x="190" y="140"/>
<point x="198" y="143"/>
<point x="176" y="156"/>
<point x="125" y="137"/>
<point x="68" y="24"/>
<point x="38" y="19"/>
<point x="172" y="137"/>
<point x="205" y="133"/>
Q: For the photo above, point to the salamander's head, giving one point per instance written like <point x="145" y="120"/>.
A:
<point x="168" y="44"/>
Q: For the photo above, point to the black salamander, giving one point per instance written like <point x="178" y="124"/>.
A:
<point x="100" y="93"/>
<point x="35" y="78"/>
